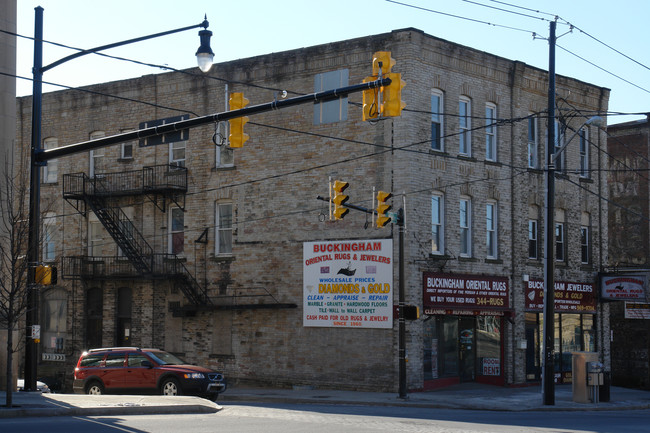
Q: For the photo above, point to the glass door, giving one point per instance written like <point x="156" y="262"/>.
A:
<point x="467" y="349"/>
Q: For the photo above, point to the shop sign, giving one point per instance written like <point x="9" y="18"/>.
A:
<point x="348" y="284"/>
<point x="491" y="367"/>
<point x="623" y="287"/>
<point x="636" y="310"/>
<point x="466" y="292"/>
<point x="570" y="297"/>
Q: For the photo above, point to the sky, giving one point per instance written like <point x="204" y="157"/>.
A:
<point x="607" y="45"/>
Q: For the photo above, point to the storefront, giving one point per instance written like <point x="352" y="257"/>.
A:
<point x="463" y="328"/>
<point x="575" y="326"/>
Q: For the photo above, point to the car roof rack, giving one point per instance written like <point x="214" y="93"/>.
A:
<point x="109" y="349"/>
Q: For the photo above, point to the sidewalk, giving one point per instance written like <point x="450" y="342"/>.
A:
<point x="467" y="396"/>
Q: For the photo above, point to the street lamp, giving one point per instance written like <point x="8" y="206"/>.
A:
<point x="204" y="58"/>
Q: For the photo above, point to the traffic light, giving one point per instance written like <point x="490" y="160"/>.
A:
<point x="387" y="63"/>
<point x="383" y="208"/>
<point x="237" y="136"/>
<point x="392" y="104"/>
<point x="45" y="275"/>
<point x="370" y="101"/>
<point x="339" y="199"/>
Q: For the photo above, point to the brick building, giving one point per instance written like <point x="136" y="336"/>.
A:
<point x="628" y="145"/>
<point x="203" y="252"/>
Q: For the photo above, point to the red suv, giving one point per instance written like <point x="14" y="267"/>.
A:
<point x="135" y="370"/>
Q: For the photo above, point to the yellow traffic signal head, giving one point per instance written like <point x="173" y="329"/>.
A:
<point x="392" y="104"/>
<point x="237" y="136"/>
<point x="339" y="199"/>
<point x="383" y="208"/>
<point x="387" y="63"/>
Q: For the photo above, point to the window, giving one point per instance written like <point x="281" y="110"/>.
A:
<point x="94" y="317"/>
<point x="176" y="239"/>
<point x="533" y="246"/>
<point x="559" y="141"/>
<point x="96" y="155"/>
<point x="126" y="151"/>
<point x="224" y="229"/>
<point x="491" y="230"/>
<point x="225" y="155"/>
<point x="559" y="242"/>
<point x="51" y="170"/>
<point x="335" y="110"/>
<point x="177" y="153"/>
<point x="464" y="125"/>
<point x="585" y="239"/>
<point x="49" y="238"/>
<point x="465" y="228"/>
<point x="437" y="120"/>
<point x="532" y="143"/>
<point x="95" y="237"/>
<point x="437" y="225"/>
<point x="490" y="132"/>
<point x="584" y="153"/>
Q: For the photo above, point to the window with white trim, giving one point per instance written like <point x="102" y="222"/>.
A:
<point x="491" y="230"/>
<point x="465" y="222"/>
<point x="176" y="231"/>
<point x="559" y="141"/>
<point x="177" y="153"/>
<point x="49" y="237"/>
<point x="95" y="236"/>
<point x="437" y="125"/>
<point x="223" y="229"/>
<point x="50" y="171"/>
<point x="490" y="132"/>
<point x="533" y="148"/>
<point x="126" y="148"/>
<point x="437" y="224"/>
<point x="533" y="233"/>
<point x="584" y="152"/>
<point x="464" y="126"/>
<point x="97" y="155"/>
<point x="585" y="239"/>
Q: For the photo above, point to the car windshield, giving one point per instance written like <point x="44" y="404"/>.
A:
<point x="164" y="358"/>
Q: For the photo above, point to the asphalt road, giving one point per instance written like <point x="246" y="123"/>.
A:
<point x="288" y="418"/>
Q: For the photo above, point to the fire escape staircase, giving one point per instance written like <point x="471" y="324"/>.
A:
<point x="98" y="194"/>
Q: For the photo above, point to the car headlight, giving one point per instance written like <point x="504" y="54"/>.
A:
<point x="193" y="376"/>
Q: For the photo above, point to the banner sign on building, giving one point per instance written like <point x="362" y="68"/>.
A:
<point x="348" y="284"/>
<point x="635" y="310"/>
<point x="570" y="297"/>
<point x="623" y="287"/>
<point x="464" y="292"/>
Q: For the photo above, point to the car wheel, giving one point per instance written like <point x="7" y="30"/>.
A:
<point x="170" y="387"/>
<point x="95" y="388"/>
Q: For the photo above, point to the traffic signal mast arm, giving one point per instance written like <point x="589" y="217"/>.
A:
<point x="326" y="95"/>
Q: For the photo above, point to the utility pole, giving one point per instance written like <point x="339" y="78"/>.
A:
<point x="548" y="375"/>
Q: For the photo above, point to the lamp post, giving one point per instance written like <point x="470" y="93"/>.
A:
<point x="204" y="57"/>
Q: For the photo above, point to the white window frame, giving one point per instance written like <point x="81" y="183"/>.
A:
<point x="560" y="161"/>
<point x="175" y="159"/>
<point x="95" y="236"/>
<point x="491" y="225"/>
<point x="490" y="131"/>
<point x="583" y="136"/>
<point x="49" y="237"/>
<point x="126" y="145"/>
<point x="465" y="126"/>
<point x="465" y="225"/>
<point x="560" y="242"/>
<point x="533" y="237"/>
<point x="223" y="229"/>
<point x="171" y="231"/>
<point x="585" y="245"/>
<point x="96" y="154"/>
<point x="437" y="118"/>
<point x="437" y="224"/>
<point x="533" y="143"/>
<point x="50" y="171"/>
<point x="335" y="110"/>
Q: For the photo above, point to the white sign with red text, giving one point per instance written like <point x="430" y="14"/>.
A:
<point x="348" y="284"/>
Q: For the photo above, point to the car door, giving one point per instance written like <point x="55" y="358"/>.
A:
<point x="114" y="370"/>
<point x="139" y="376"/>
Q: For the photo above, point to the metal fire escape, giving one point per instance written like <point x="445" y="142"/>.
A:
<point x="162" y="184"/>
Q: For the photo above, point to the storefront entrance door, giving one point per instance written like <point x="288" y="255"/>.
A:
<point x="467" y="349"/>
